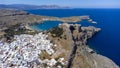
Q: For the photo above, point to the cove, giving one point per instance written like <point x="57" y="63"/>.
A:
<point x="45" y="25"/>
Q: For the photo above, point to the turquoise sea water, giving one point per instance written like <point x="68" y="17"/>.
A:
<point x="45" y="25"/>
<point x="105" y="42"/>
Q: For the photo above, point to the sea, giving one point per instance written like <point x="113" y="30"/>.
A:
<point x="106" y="42"/>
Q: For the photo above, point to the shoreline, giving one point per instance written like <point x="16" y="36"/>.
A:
<point x="74" y="19"/>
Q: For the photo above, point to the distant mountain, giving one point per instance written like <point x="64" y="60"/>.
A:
<point x="26" y="7"/>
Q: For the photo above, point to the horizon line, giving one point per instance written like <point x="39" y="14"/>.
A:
<point x="74" y="7"/>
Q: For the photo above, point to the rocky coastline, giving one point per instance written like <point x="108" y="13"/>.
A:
<point x="9" y="17"/>
<point x="73" y="41"/>
<point x="70" y="40"/>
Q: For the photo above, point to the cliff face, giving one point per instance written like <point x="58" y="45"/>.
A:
<point x="84" y="56"/>
<point x="77" y="53"/>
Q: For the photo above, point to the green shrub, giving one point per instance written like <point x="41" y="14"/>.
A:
<point x="56" y="32"/>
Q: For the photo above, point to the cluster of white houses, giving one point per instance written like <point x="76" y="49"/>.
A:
<point x="24" y="51"/>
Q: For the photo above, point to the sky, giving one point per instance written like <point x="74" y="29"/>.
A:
<point x="70" y="3"/>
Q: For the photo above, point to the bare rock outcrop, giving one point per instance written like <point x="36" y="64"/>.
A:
<point x="76" y="51"/>
<point x="84" y="57"/>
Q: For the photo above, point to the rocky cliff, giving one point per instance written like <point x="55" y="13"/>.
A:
<point x="75" y="50"/>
